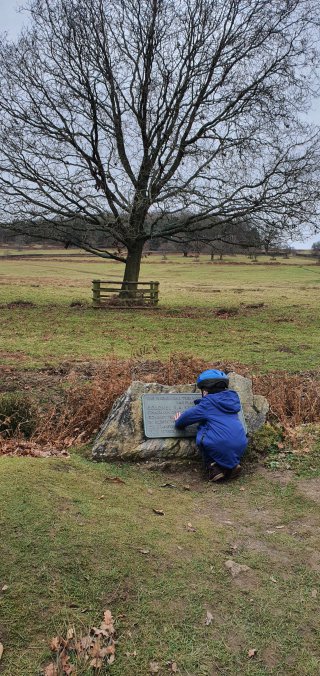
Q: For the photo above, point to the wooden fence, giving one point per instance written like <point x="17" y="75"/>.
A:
<point x="111" y="293"/>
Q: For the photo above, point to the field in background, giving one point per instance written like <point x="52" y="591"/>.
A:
<point x="263" y="314"/>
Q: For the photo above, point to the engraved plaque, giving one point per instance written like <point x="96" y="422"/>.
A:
<point x="159" y="411"/>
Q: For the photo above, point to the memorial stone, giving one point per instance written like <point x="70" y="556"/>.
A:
<point x="122" y="436"/>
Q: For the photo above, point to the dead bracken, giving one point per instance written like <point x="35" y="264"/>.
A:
<point x="83" y="395"/>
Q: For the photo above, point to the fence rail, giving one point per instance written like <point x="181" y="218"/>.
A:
<point x="111" y="293"/>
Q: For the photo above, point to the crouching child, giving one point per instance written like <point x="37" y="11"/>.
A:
<point x="221" y="437"/>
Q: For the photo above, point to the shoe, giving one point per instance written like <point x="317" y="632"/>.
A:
<point x="216" y="473"/>
<point x="233" y="473"/>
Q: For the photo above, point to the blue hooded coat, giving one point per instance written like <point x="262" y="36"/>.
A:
<point x="221" y="436"/>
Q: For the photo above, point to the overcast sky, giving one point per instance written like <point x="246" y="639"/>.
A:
<point x="12" y="21"/>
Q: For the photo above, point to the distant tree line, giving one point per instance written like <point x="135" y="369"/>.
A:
<point x="215" y="241"/>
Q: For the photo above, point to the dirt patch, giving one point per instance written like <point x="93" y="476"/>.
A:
<point x="275" y="556"/>
<point x="270" y="657"/>
<point x="233" y="518"/>
<point x="304" y="529"/>
<point x="247" y="582"/>
<point x="226" y="313"/>
<point x="18" y="304"/>
<point x="313" y="560"/>
<point x="284" y="478"/>
<point x="43" y="386"/>
<point x="17" y="356"/>
<point x="310" y="489"/>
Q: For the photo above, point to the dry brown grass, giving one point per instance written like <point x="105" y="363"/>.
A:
<point x="294" y="399"/>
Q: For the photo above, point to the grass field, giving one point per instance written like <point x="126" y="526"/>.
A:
<point x="282" y="331"/>
<point x="74" y="543"/>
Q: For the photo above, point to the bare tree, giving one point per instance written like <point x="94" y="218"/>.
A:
<point x="136" y="119"/>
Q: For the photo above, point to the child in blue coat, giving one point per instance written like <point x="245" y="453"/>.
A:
<point x="221" y="437"/>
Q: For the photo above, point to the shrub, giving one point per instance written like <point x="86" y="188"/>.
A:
<point x="294" y="399"/>
<point x="17" y="415"/>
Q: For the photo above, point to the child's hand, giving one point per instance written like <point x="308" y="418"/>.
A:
<point x="177" y="415"/>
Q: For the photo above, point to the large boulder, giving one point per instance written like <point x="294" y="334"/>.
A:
<point x="121" y="436"/>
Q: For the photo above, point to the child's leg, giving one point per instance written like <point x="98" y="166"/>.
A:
<point x="233" y="473"/>
<point x="211" y="470"/>
<point x="216" y="472"/>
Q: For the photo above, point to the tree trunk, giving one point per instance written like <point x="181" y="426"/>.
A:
<point x="132" y="269"/>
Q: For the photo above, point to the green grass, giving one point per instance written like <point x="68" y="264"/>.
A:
<point x="283" y="333"/>
<point x="67" y="554"/>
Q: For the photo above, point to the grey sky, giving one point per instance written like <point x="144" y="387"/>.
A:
<point x="11" y="22"/>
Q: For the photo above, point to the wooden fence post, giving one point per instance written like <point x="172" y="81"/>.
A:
<point x="96" y="293"/>
<point x="156" y="293"/>
<point x="152" y="298"/>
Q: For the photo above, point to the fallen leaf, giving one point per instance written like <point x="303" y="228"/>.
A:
<point x="5" y="587"/>
<point x="67" y="668"/>
<point x="144" y="551"/>
<point x="209" y="618"/>
<point x="95" y="648"/>
<point x="154" y="667"/>
<point x="160" y="512"/>
<point x="101" y="631"/>
<point x="190" y="528"/>
<point x="236" y="568"/>
<point x="96" y="663"/>
<point x="108" y="621"/>
<point x="1" y="650"/>
<point x="55" y="644"/>
<point x="252" y="652"/>
<point x="173" y="667"/>
<point x="280" y="445"/>
<point x="85" y="642"/>
<point x="150" y="491"/>
<point x="114" y="479"/>
<point x="314" y="593"/>
<point x="70" y="633"/>
<point x="51" y="670"/>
